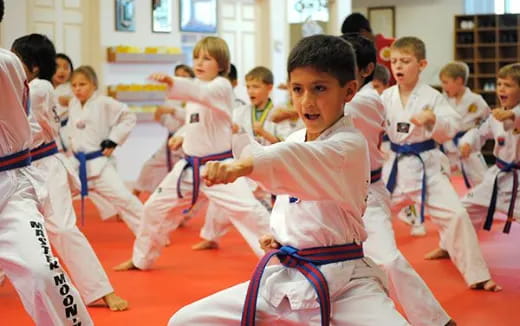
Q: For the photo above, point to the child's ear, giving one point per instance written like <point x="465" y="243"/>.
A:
<point x="422" y="64"/>
<point x="36" y="71"/>
<point x="351" y="89"/>
<point x="367" y="71"/>
<point x="270" y="87"/>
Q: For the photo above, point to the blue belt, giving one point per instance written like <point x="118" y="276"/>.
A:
<point x="15" y="161"/>
<point x="504" y="167"/>
<point x="306" y="261"/>
<point x="83" y="157"/>
<point x="195" y="162"/>
<point x="375" y="175"/>
<point x="169" y="162"/>
<point x="44" y="150"/>
<point x="414" y="149"/>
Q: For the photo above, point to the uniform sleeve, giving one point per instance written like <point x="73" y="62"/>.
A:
<point x="311" y="170"/>
<point x="216" y="95"/>
<point x="171" y="122"/>
<point x="43" y="108"/>
<point x="122" y="121"/>
<point x="13" y="101"/>
<point x="477" y="137"/>
<point x="516" y="111"/>
<point x="447" y="121"/>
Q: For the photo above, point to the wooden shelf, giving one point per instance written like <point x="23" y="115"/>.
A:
<point x="501" y="34"/>
<point x="118" y="57"/>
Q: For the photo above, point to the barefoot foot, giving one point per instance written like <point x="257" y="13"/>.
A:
<point x="205" y="245"/>
<point x="437" y="254"/>
<point x="488" y="285"/>
<point x="126" y="266"/>
<point x="115" y="302"/>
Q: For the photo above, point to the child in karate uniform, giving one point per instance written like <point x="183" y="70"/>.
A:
<point x="37" y="54"/>
<point x="63" y="93"/>
<point x="381" y="79"/>
<point x="368" y="115"/>
<point x="207" y="136"/>
<point x="172" y="117"/>
<point x="473" y="111"/>
<point x="255" y="120"/>
<point x="25" y="253"/>
<point x="498" y="191"/>
<point x="418" y="118"/>
<point x="97" y="125"/>
<point x="321" y="177"/>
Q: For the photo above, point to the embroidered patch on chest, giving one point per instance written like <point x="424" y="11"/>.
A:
<point x="501" y="141"/>
<point x="472" y="108"/>
<point x="194" y="118"/>
<point x="403" y="127"/>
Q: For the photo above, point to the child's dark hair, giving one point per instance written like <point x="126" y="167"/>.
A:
<point x="1" y="10"/>
<point x="185" y="68"/>
<point x="382" y="74"/>
<point x="36" y="50"/>
<point x="355" y="23"/>
<point x="66" y="58"/>
<point x="88" y="72"/>
<point x="325" y="53"/>
<point x="232" y="75"/>
<point x="365" y="52"/>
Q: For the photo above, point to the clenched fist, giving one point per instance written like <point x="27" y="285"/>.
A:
<point x="175" y="142"/>
<point x="217" y="172"/>
<point x="464" y="150"/>
<point x="502" y="115"/>
<point x="162" y="78"/>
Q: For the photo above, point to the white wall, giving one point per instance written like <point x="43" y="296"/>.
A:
<point x="142" y="37"/>
<point x="14" y="24"/>
<point x="430" y="20"/>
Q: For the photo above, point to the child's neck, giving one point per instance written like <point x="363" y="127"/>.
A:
<point x="262" y="105"/>
<point x="405" y="91"/>
<point x="459" y="94"/>
<point x="511" y="107"/>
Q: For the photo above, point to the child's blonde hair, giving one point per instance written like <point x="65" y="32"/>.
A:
<point x="218" y="49"/>
<point x="455" y="69"/>
<point x="512" y="71"/>
<point x="88" y="72"/>
<point x="261" y="73"/>
<point x="410" y="44"/>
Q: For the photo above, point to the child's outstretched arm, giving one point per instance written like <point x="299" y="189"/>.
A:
<point x="215" y="94"/>
<point x="310" y="171"/>
<point x="475" y="138"/>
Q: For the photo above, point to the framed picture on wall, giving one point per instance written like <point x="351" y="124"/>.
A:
<point x="199" y="16"/>
<point x="125" y="15"/>
<point x="161" y="16"/>
<point x="382" y="20"/>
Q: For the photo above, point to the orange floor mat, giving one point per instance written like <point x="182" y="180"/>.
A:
<point x="182" y="275"/>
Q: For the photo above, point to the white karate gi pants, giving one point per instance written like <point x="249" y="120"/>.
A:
<point x="163" y="213"/>
<point x="26" y="258"/>
<point x="421" y="307"/>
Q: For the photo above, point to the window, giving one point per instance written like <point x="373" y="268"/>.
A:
<point x="492" y="7"/>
